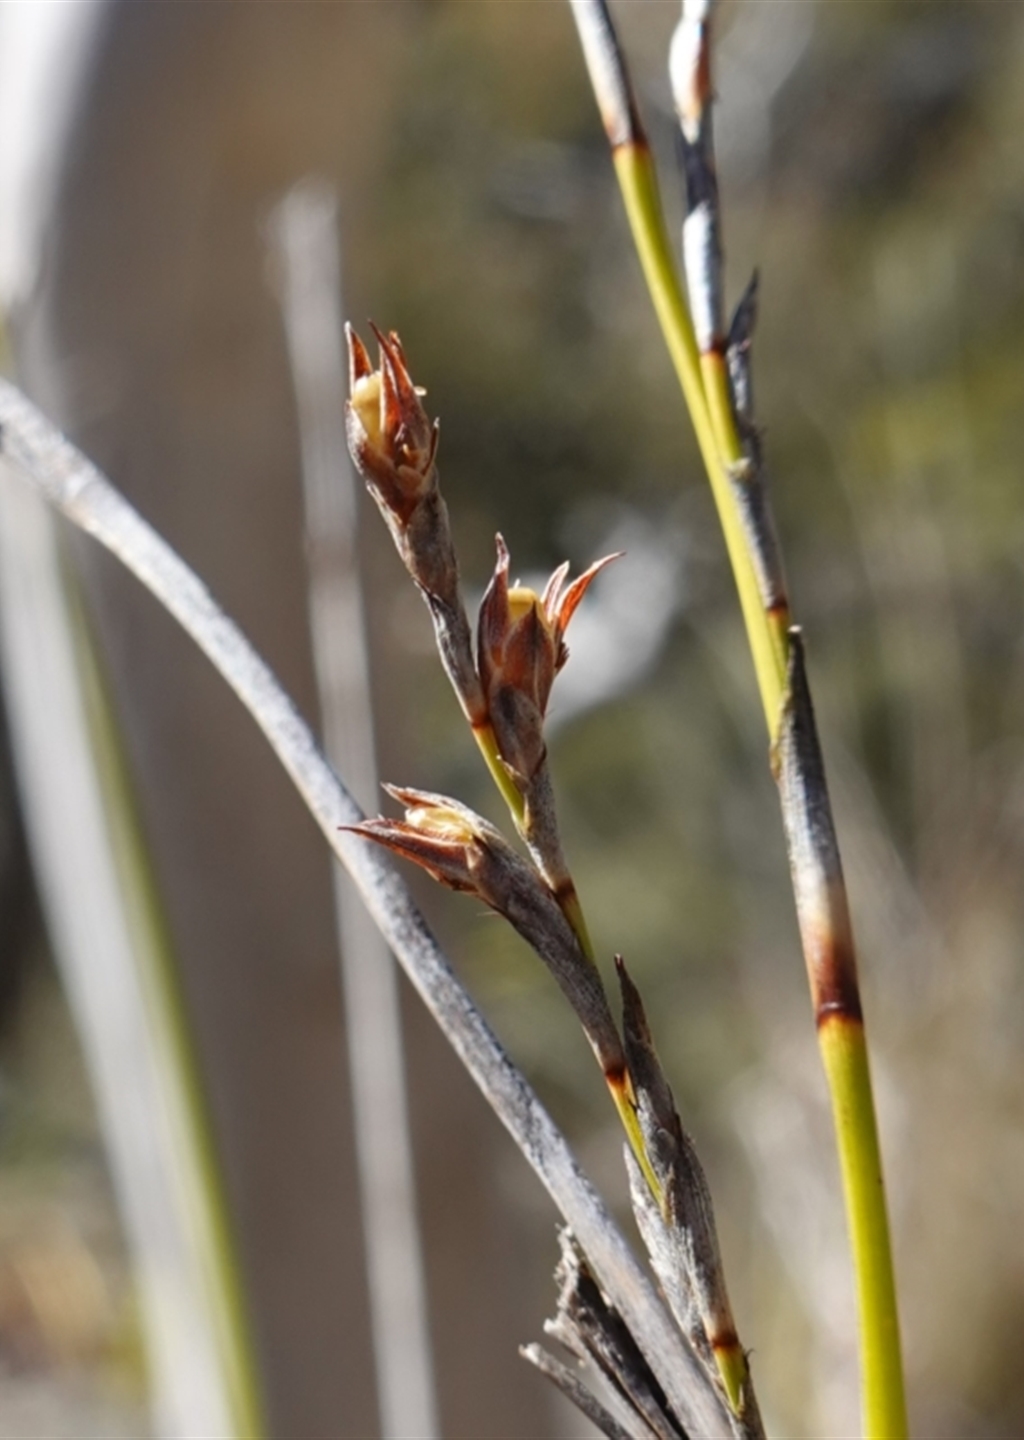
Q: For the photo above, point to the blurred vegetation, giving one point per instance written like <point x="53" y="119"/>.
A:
<point x="879" y="187"/>
<point x="70" y="1355"/>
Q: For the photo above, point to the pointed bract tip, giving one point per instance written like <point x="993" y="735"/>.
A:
<point x="410" y="797"/>
<point x="396" y="346"/>
<point x="520" y="650"/>
<point x="441" y="844"/>
<point x="390" y="437"/>
<point x="553" y="588"/>
<point x="400" y="398"/>
<point x="561" y="608"/>
<point x="744" y="318"/>
<point x="405" y="794"/>
<point x="359" y="363"/>
<point x="394" y="364"/>
<point x="634" y="1015"/>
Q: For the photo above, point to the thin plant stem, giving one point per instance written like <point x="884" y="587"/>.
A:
<point x="827" y="936"/>
<point x="384" y="405"/>
<point x="487" y="744"/>
<point x="638" y="181"/>
<point x="705" y="385"/>
<point x="845" y="1054"/>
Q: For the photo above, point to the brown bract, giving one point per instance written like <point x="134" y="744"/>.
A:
<point x="461" y="850"/>
<point x="394" y="446"/>
<point x="391" y="438"/>
<point x="451" y="842"/>
<point x="520" y="649"/>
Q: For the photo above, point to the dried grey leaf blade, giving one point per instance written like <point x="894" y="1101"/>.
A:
<point x="589" y="1323"/>
<point x="574" y="1390"/>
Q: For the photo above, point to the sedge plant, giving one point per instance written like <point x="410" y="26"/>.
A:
<point x="693" y="1378"/>
<point x="662" y="1375"/>
<point x="503" y="686"/>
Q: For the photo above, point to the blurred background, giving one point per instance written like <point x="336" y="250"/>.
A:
<point x="872" y="168"/>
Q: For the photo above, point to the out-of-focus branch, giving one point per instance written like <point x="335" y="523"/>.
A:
<point x="84" y="496"/>
<point x="303" y="237"/>
<point x="121" y="984"/>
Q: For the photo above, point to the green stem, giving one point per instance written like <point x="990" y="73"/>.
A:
<point x="843" y="1044"/>
<point x="639" y="183"/>
<point x="572" y="909"/>
<point x="484" y="736"/>
<point x="570" y="903"/>
<point x="845" y="1054"/>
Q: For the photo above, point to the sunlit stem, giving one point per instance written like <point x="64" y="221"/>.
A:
<point x="771" y="649"/>
<point x="639" y="183"/>
<point x="705" y="386"/>
<point x="845" y="1055"/>
<point x="484" y="736"/>
<point x="620" y="1086"/>
<point x="569" y="900"/>
<point x="573" y="912"/>
<point x="729" y="1358"/>
<point x="621" y="1089"/>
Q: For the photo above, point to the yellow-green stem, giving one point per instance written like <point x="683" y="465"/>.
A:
<point x="846" y="1065"/>
<point x="771" y="650"/>
<point x="573" y="912"/>
<point x="845" y="1054"/>
<point x="732" y="1365"/>
<point x="729" y="1354"/>
<point x="639" y="183"/>
<point x="484" y="736"/>
<point x="570" y="901"/>
<point x="621" y="1089"/>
